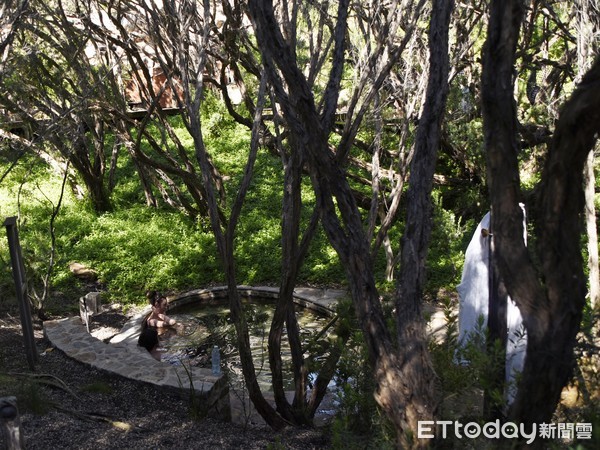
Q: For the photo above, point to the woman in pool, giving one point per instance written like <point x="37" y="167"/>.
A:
<point x="149" y="340"/>
<point x="158" y="318"/>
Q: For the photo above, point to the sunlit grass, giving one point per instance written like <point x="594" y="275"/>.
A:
<point x="134" y="248"/>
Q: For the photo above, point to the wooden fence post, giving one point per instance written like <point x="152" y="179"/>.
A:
<point x="18" y="270"/>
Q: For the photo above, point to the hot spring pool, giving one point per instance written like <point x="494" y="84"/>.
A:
<point x="205" y="325"/>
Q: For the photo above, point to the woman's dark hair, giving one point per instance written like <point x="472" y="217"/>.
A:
<point x="153" y="297"/>
<point x="148" y="338"/>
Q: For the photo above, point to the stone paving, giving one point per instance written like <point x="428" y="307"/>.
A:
<point x="70" y="336"/>
<point x="123" y="357"/>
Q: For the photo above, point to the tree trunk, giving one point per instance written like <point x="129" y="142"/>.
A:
<point x="341" y="220"/>
<point x="551" y="311"/>
<point x="93" y="183"/>
<point x="416" y="365"/>
<point x="192" y="85"/>
<point x="500" y="127"/>
<point x="225" y="243"/>
<point x="550" y="357"/>
<point x="284" y="311"/>
<point x="10" y="20"/>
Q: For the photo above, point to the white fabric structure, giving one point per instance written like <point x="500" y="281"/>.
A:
<point x="473" y="292"/>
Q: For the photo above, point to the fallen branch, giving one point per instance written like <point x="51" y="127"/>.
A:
<point x="94" y="417"/>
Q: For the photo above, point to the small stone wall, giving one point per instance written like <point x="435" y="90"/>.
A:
<point x="133" y="362"/>
<point x="319" y="300"/>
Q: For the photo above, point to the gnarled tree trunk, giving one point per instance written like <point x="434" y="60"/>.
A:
<point x="342" y="222"/>
<point x="416" y="366"/>
<point x="551" y="306"/>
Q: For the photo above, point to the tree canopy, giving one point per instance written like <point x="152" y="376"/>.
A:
<point x="373" y="119"/>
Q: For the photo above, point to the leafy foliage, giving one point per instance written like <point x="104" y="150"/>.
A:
<point x="134" y="247"/>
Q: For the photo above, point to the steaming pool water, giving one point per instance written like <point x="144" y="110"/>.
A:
<point x="205" y="325"/>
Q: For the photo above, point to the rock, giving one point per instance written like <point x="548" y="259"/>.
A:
<point x="82" y="272"/>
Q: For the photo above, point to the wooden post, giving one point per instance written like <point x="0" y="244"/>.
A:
<point x="10" y="424"/>
<point x="89" y="305"/>
<point x="18" y="270"/>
